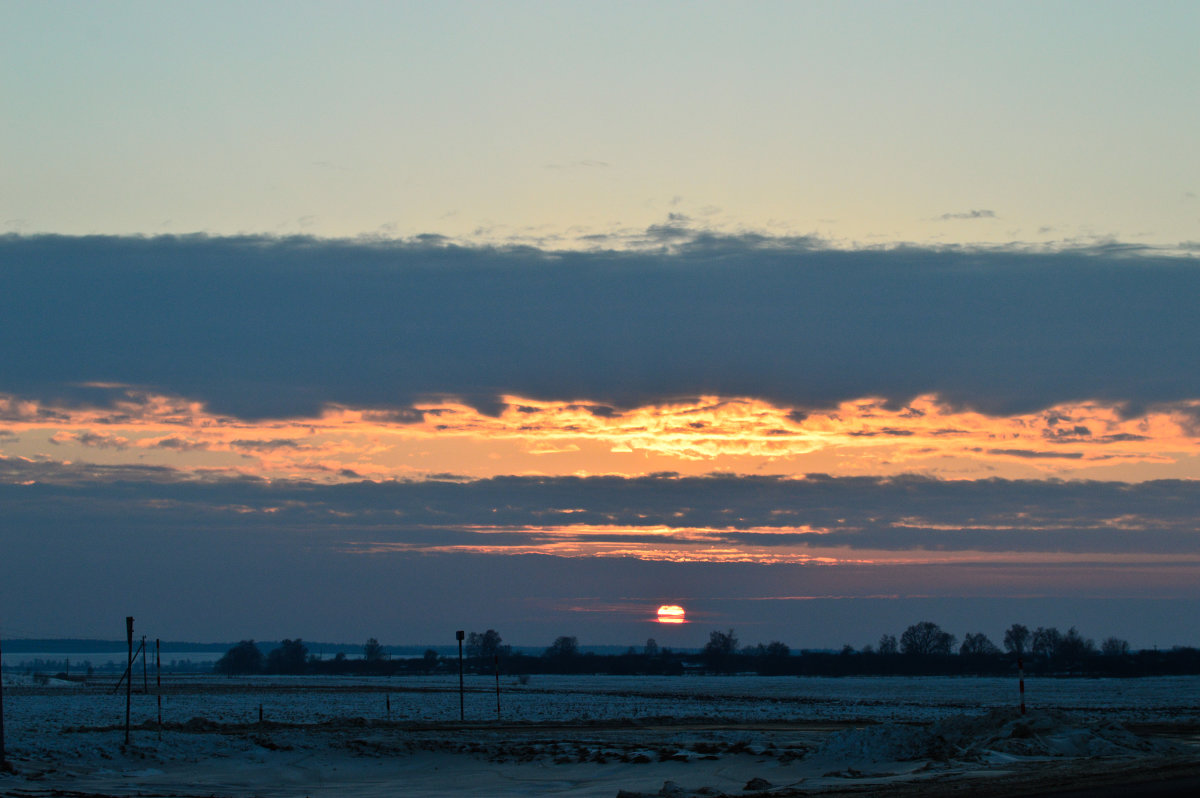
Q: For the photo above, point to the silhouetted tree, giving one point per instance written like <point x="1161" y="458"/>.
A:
<point x="888" y="645"/>
<point x="651" y="649"/>
<point x="245" y="657"/>
<point x="1073" y="648"/>
<point x="719" y="650"/>
<point x="1114" y="647"/>
<point x="977" y="644"/>
<point x="926" y="638"/>
<point x="1016" y="640"/>
<point x="562" y="649"/>
<point x="778" y="650"/>
<point x="1045" y="642"/>
<point x="486" y="646"/>
<point x="373" y="652"/>
<point x="429" y="660"/>
<point x="290" y="657"/>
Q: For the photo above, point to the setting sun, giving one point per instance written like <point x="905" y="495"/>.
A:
<point x="671" y="613"/>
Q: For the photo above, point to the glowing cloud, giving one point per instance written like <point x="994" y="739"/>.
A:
<point x="525" y="436"/>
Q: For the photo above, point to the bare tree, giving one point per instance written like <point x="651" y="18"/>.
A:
<point x="778" y="650"/>
<point x="245" y="657"/>
<point x="1045" y="642"/>
<point x="373" y="652"/>
<point x="1016" y="640"/>
<point x="1074" y="648"/>
<point x="926" y="638"/>
<point x="888" y="645"/>
<point x="977" y="644"/>
<point x="719" y="650"/>
<point x="563" y="648"/>
<point x="290" y="657"/>
<point x="1114" y="647"/>
<point x="485" y="646"/>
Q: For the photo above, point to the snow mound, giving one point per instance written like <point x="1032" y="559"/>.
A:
<point x="1001" y="732"/>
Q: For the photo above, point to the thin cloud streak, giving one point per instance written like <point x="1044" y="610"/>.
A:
<point x="715" y="518"/>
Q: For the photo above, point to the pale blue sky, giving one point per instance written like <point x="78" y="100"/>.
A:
<point x="865" y="123"/>
<point x="168" y="396"/>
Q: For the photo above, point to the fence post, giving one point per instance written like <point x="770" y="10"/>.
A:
<point x="1021" y="676"/>
<point x="462" y="712"/>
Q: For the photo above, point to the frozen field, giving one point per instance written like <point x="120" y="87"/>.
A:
<point x="597" y="698"/>
<point x="577" y="735"/>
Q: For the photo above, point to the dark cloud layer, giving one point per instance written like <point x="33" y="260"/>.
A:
<point x="895" y="514"/>
<point x="218" y="559"/>
<point x="272" y="328"/>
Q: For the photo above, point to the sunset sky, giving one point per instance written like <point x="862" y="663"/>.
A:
<point x="392" y="319"/>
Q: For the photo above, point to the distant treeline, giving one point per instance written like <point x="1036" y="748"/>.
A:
<point x="923" y="649"/>
<point x="78" y="670"/>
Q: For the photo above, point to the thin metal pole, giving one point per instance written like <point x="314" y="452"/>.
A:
<point x="145" y="680"/>
<point x="496" y="662"/>
<point x="129" y="671"/>
<point x="158" y="680"/>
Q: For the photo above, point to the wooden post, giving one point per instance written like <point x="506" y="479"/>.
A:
<point x="389" y="707"/>
<point x="496" y="663"/>
<point x="129" y="672"/>
<point x="158" y="681"/>
<point x="1021" y="676"/>
<point x="145" y="680"/>
<point x="462" y="712"/>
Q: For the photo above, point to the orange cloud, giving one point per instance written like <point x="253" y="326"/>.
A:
<point x="697" y="436"/>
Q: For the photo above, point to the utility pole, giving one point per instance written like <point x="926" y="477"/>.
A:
<point x="462" y="713"/>
<point x="129" y="674"/>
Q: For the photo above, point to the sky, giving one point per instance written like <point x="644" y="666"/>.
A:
<point x="393" y="319"/>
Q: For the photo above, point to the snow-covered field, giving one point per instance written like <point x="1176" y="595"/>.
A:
<point x="576" y="735"/>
